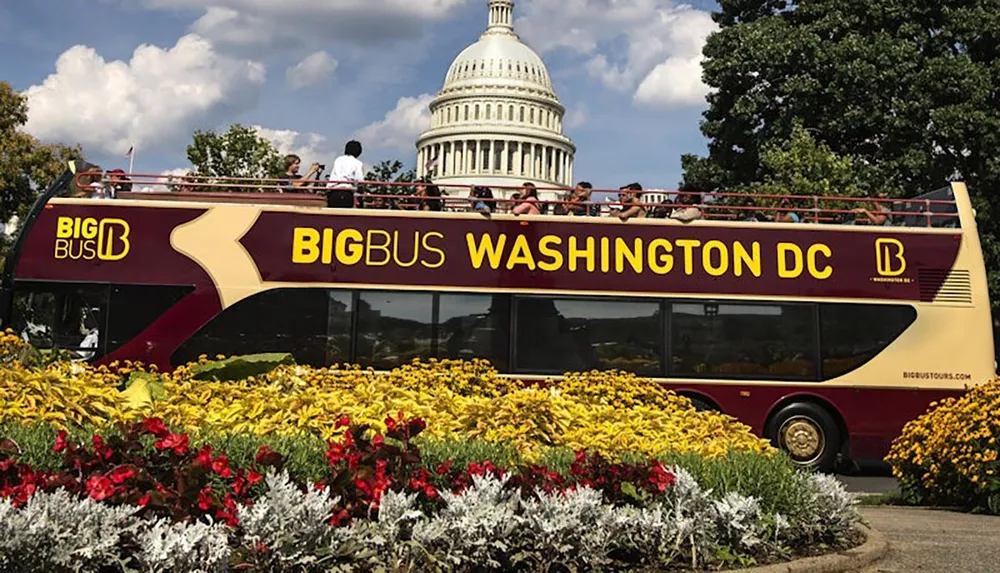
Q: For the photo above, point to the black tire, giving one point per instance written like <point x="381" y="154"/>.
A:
<point x="701" y="405"/>
<point x="807" y="433"/>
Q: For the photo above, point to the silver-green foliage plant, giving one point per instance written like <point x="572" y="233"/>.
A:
<point x="488" y="526"/>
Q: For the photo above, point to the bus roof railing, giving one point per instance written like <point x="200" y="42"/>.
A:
<point x="933" y="209"/>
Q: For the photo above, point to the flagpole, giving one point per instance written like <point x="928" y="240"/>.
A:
<point x="131" y="159"/>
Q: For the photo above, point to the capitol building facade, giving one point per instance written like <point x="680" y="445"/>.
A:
<point x="497" y="120"/>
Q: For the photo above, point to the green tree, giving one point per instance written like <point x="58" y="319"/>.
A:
<point x="909" y="88"/>
<point x="26" y="165"/>
<point x="389" y="171"/>
<point x="239" y="152"/>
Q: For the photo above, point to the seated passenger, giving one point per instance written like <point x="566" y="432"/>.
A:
<point x="527" y="201"/>
<point x="346" y="172"/>
<point x="430" y="197"/>
<point x="880" y="216"/>
<point x="786" y="214"/>
<point x="482" y="200"/>
<point x="291" y="180"/>
<point x="748" y="213"/>
<point x="628" y="196"/>
<point x="687" y="208"/>
<point x="581" y="204"/>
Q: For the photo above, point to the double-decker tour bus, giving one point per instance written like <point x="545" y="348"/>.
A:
<point x="824" y="336"/>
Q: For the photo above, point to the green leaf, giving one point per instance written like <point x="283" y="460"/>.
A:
<point x="240" y="367"/>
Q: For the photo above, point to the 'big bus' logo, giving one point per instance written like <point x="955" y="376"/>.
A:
<point x="86" y="238"/>
<point x="889" y="260"/>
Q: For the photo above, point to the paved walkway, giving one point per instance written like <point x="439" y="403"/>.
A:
<point x="933" y="541"/>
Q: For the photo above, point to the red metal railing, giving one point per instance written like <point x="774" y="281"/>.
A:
<point x="715" y="206"/>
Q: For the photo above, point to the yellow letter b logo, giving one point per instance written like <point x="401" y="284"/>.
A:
<point x="889" y="257"/>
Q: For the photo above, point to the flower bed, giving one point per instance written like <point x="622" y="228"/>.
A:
<point x="949" y="456"/>
<point x="608" y="412"/>
<point x="145" y="496"/>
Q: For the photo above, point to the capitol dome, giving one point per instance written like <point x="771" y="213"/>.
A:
<point x="497" y="120"/>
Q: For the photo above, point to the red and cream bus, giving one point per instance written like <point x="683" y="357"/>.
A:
<point x="824" y="337"/>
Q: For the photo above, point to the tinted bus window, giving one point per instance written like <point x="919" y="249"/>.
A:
<point x="135" y="307"/>
<point x="559" y="335"/>
<point x="340" y="312"/>
<point x="394" y="328"/>
<point x="853" y="334"/>
<point x="766" y="341"/>
<point x="280" y="320"/>
<point x="474" y="326"/>
<point x="66" y="316"/>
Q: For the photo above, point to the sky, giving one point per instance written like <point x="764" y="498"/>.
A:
<point x="311" y="74"/>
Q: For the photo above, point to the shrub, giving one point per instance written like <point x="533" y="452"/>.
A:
<point x="948" y="456"/>
<point x="613" y="413"/>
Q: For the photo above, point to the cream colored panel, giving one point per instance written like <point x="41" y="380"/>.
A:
<point x="213" y="241"/>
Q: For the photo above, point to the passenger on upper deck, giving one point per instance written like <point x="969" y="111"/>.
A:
<point x="291" y="180"/>
<point x="786" y="214"/>
<point x="527" y="201"/>
<point x="347" y="171"/>
<point x="581" y="204"/>
<point x="880" y="217"/>
<point x="687" y="208"/>
<point x="628" y="196"/>
<point x="482" y="200"/>
<point x="430" y="196"/>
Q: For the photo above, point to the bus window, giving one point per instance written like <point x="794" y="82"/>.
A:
<point x="340" y="313"/>
<point x="853" y="334"/>
<point x="474" y="326"/>
<point x="280" y="320"/>
<point x="743" y="340"/>
<point x="65" y="316"/>
<point x="559" y="335"/>
<point x="134" y="307"/>
<point x="394" y="328"/>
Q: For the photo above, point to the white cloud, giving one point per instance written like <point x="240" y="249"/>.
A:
<point x="575" y="117"/>
<point x="400" y="126"/>
<point x="156" y="99"/>
<point x="309" y="146"/>
<point x="651" y="48"/>
<point x="270" y="23"/>
<point x="313" y="69"/>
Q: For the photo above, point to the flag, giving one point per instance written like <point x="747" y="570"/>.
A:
<point x="128" y="153"/>
<point x="431" y="165"/>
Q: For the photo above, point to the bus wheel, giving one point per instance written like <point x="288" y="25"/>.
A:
<point x="807" y="433"/>
<point x="701" y="405"/>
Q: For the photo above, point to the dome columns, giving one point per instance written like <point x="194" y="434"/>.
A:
<point x="503" y="157"/>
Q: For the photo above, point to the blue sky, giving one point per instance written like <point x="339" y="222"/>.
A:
<point x="313" y="73"/>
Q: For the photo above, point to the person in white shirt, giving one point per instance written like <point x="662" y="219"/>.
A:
<point x="347" y="171"/>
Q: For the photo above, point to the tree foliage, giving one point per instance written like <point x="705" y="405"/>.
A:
<point x="26" y="165"/>
<point x="908" y="88"/>
<point x="239" y="152"/>
<point x="389" y="171"/>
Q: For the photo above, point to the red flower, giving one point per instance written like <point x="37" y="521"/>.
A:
<point x="99" y="487"/>
<point x="343" y="421"/>
<point x="204" y="457"/>
<point x="143" y="501"/>
<point x="268" y="457"/>
<point x="444" y="468"/>
<point x="100" y="450"/>
<point x="121" y="474"/>
<point x="205" y="498"/>
<point x="378" y="440"/>
<point x="253" y="477"/>
<point x="334" y="454"/>
<point x="415" y="426"/>
<point x="339" y="518"/>
<point x="61" y="442"/>
<point x="177" y="442"/>
<point x="390" y="424"/>
<point x="156" y="427"/>
<point x="221" y="466"/>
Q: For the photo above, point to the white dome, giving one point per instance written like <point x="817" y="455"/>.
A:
<point x="497" y="120"/>
<point x="498" y="59"/>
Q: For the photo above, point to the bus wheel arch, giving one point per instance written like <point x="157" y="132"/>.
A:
<point x="809" y="430"/>
<point x="701" y="402"/>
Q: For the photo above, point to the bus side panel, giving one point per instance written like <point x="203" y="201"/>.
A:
<point x="873" y="417"/>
